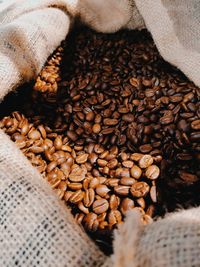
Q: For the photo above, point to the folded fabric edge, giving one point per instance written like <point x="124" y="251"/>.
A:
<point x="160" y="25"/>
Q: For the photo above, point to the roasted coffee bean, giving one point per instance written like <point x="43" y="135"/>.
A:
<point x="90" y="221"/>
<point x="89" y="197"/>
<point x="140" y="201"/>
<point x="77" y="174"/>
<point x="76" y="197"/>
<point x="195" y="125"/>
<point x="126" y="205"/>
<point x="152" y="172"/>
<point x="82" y="158"/>
<point x="139" y="189"/>
<point x="127" y="181"/>
<point x="100" y="206"/>
<point x="153" y="193"/>
<point x="145" y="161"/>
<point x="114" y="217"/>
<point x="136" y="172"/>
<point x="102" y="190"/>
<point x="114" y="202"/>
<point x="122" y="190"/>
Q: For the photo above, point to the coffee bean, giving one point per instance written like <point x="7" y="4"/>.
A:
<point x="90" y="221"/>
<point x="76" y="197"/>
<point x="110" y="122"/>
<point x="72" y="135"/>
<point x="89" y="197"/>
<point x="102" y="162"/>
<point x="127" y="163"/>
<point x="139" y="189"/>
<point x="114" y="202"/>
<point x="140" y="201"/>
<point x="128" y="117"/>
<point x="96" y="128"/>
<point x="114" y="217"/>
<point x="77" y="174"/>
<point x="35" y="135"/>
<point x="102" y="190"/>
<point x="189" y="178"/>
<point x="127" y="181"/>
<point x="136" y="156"/>
<point x="99" y="206"/>
<point x="112" y="163"/>
<point x="152" y="172"/>
<point x="145" y="161"/>
<point x="136" y="172"/>
<point x="195" y="125"/>
<point x="126" y="205"/>
<point x="122" y="190"/>
<point x="82" y="158"/>
<point x="153" y="193"/>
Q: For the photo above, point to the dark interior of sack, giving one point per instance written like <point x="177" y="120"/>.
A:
<point x="179" y="183"/>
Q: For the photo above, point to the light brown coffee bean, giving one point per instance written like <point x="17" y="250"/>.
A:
<point x="52" y="165"/>
<point x="102" y="190"/>
<point x="98" y="149"/>
<point x="136" y="172"/>
<point x="114" y="202"/>
<point x="67" y="195"/>
<point x="126" y="205"/>
<point x="102" y="162"/>
<point x="76" y="197"/>
<point x="96" y="128"/>
<point x="92" y="157"/>
<point x="94" y="183"/>
<point x="145" y="161"/>
<point x="122" y="172"/>
<point x="127" y="163"/>
<point x="114" y="217"/>
<point x="90" y="221"/>
<point x="82" y="158"/>
<point x="122" y="190"/>
<point x="112" y="164"/>
<point x="58" y="143"/>
<point x="141" y="202"/>
<point x="77" y="174"/>
<point x="34" y="134"/>
<point x="75" y="186"/>
<point x="136" y="156"/>
<point x="127" y="181"/>
<point x="153" y="194"/>
<point x="139" y="189"/>
<point x="100" y="206"/>
<point x="89" y="197"/>
<point x="83" y="208"/>
<point x="195" y="125"/>
<point x="152" y="172"/>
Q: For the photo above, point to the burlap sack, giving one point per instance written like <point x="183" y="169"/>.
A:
<point x="36" y="229"/>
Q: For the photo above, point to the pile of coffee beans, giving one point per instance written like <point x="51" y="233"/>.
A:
<point x="107" y="118"/>
<point x="100" y="184"/>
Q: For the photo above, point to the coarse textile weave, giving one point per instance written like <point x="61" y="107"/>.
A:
<point x="36" y="229"/>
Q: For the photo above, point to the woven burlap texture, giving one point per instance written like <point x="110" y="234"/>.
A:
<point x="36" y="229"/>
